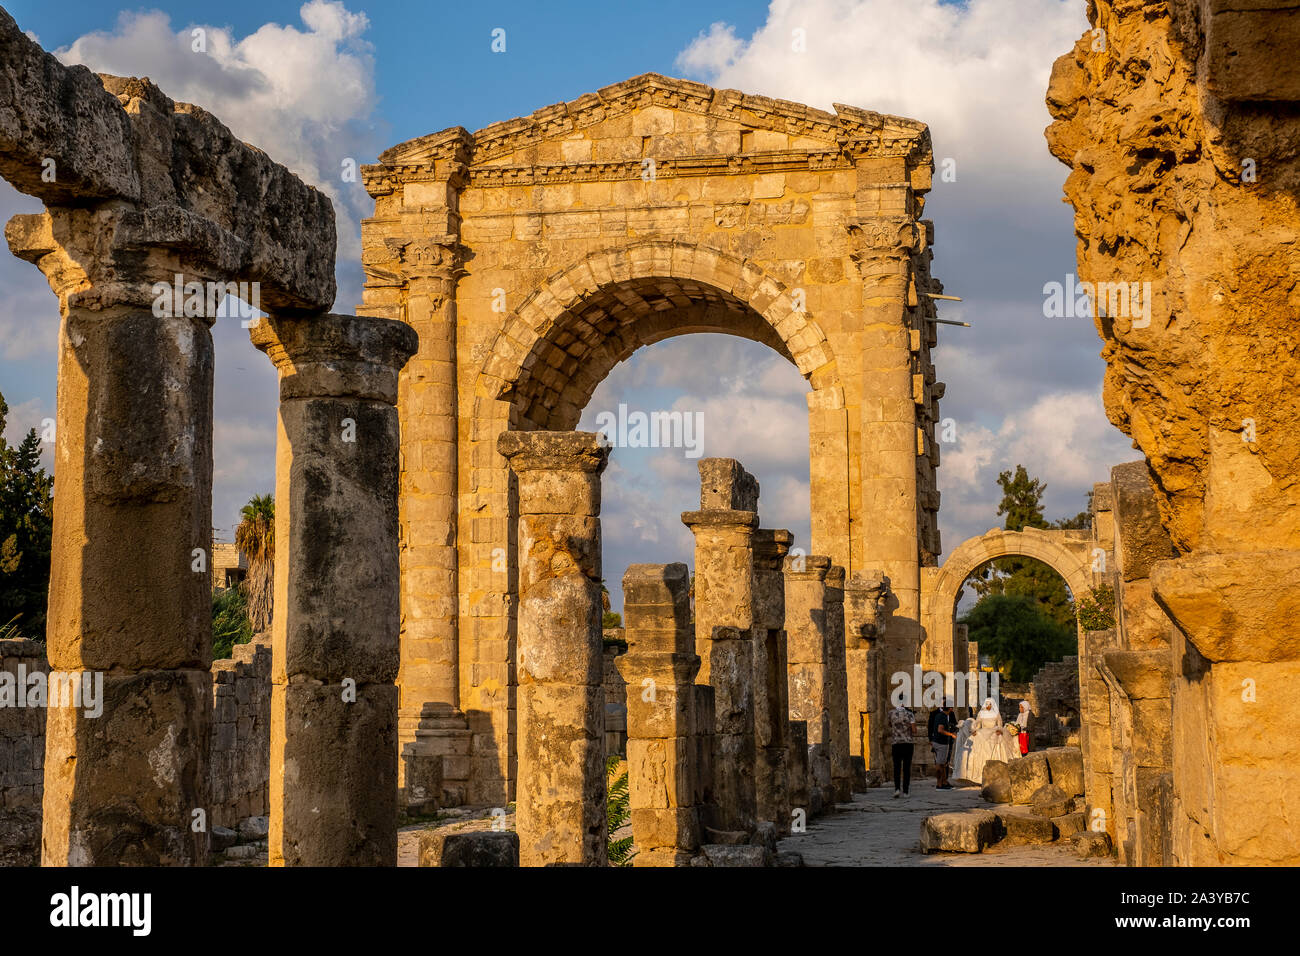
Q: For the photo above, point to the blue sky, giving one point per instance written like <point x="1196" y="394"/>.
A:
<point x="314" y="83"/>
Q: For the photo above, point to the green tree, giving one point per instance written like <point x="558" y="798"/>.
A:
<point x="229" y="621"/>
<point x="1022" y="504"/>
<point x="26" y="532"/>
<point x="255" y="536"/>
<point x="1017" y="635"/>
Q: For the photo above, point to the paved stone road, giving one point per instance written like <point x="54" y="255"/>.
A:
<point x="877" y="830"/>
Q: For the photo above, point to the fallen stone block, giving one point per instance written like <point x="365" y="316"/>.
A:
<point x="726" y="837"/>
<point x="997" y="782"/>
<point x="498" y="848"/>
<point x="221" y="838"/>
<point x="764" y="835"/>
<point x="1066" y="767"/>
<point x="1090" y="844"/>
<point x="1069" y="824"/>
<point x="1027" y="829"/>
<point x="1028" y="774"/>
<point x="789" y="858"/>
<point x="252" y="829"/>
<point x="737" y="855"/>
<point x="968" y="831"/>
<point x="1051" y="801"/>
<point x="244" y="851"/>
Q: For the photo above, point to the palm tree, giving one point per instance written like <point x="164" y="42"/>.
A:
<point x="255" y="537"/>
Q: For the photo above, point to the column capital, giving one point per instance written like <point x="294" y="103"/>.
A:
<point x="721" y="519"/>
<point x="341" y="356"/>
<point x="554" y="451"/>
<point x="807" y="567"/>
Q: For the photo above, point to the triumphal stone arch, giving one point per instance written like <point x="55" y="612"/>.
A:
<point x="536" y="254"/>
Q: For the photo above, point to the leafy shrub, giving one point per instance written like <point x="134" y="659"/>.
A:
<point x="618" y="812"/>
<point x="1097" y="609"/>
<point x="229" y="621"/>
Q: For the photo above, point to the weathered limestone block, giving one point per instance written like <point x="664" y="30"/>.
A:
<point x="1066" y="767"/>
<point x="808" y="629"/>
<point x="1027" y="774"/>
<point x="724" y="627"/>
<point x="129" y="805"/>
<point x="997" y="782"/>
<point x="798" y="770"/>
<point x="561" y="737"/>
<point x="335" y="631"/>
<point x="866" y="618"/>
<point x="967" y="831"/>
<point x="1050" y="801"/>
<point x="1202" y="147"/>
<point x="771" y="684"/>
<point x="660" y="667"/>
<point x="470" y="848"/>
<point x="1024" y="828"/>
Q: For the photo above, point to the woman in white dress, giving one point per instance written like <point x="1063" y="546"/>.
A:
<point x="961" y="753"/>
<point x="988" y="741"/>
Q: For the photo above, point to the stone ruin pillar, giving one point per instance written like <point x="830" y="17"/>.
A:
<point x="806" y="631"/>
<point x="561" y="702"/>
<point x="865" y="599"/>
<point x="335" y="631"/>
<point x="724" y="627"/>
<point x="771" y="685"/>
<point x="660" y="667"/>
<point x="434" y="734"/>
<point x="837" y="696"/>
<point x="133" y="486"/>
<point x="797" y="772"/>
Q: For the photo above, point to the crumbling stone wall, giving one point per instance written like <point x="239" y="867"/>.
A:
<point x="22" y="759"/>
<point x="1178" y="120"/>
<point x="240" y="757"/>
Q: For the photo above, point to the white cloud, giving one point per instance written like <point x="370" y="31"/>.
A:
<point x="306" y="97"/>
<point x="1063" y="439"/>
<point x="976" y="72"/>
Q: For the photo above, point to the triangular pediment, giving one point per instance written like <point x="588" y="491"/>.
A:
<point x="681" y="116"/>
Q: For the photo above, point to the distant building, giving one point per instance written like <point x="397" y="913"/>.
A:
<point x="229" y="566"/>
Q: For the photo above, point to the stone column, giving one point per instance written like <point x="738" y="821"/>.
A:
<point x="433" y="732"/>
<point x="335" y="631"/>
<point x="866" y="598"/>
<point x="892" y="442"/>
<point x="561" y="702"/>
<point x="660" y="667"/>
<point x="797" y="772"/>
<point x="771" y="685"/>
<point x="837" y="695"/>
<point x="724" y="623"/>
<point x="806" y="632"/>
<point x="130" y="585"/>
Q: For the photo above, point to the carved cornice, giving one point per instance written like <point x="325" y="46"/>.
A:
<point x="849" y="132"/>
<point x="885" y="237"/>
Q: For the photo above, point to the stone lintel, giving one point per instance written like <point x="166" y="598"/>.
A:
<point x="554" y="451"/>
<point x="336" y="356"/>
<point x="721" y="518"/>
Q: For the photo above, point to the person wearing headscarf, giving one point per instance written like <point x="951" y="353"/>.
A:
<point x="1023" y="720"/>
